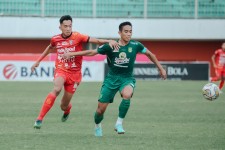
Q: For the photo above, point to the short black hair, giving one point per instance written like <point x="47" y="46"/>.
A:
<point x="124" y="24"/>
<point x="65" y="17"/>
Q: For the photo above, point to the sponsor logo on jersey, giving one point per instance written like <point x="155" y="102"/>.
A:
<point x="71" y="42"/>
<point x="122" y="55"/>
<point x="10" y="71"/>
<point x="62" y="60"/>
<point x="65" y="43"/>
<point x="69" y="49"/>
<point x="122" y="60"/>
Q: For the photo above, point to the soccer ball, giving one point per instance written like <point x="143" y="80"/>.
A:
<point x="210" y="91"/>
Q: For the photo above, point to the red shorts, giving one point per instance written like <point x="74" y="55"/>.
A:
<point x="72" y="80"/>
<point x="220" y="72"/>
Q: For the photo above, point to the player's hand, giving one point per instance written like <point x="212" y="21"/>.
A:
<point x="114" y="45"/>
<point x="163" y="74"/>
<point x="66" y="56"/>
<point x="36" y="64"/>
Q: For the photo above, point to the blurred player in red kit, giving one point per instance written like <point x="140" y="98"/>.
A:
<point x="218" y="60"/>
<point x="67" y="72"/>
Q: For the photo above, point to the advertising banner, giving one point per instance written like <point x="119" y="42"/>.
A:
<point x="175" y="71"/>
<point x="20" y="71"/>
<point x="94" y="71"/>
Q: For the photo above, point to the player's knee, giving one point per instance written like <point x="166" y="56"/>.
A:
<point x="57" y="90"/>
<point x="126" y="95"/>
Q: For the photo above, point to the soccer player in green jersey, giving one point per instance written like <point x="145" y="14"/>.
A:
<point x="120" y="77"/>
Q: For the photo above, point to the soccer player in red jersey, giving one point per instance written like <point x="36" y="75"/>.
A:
<point x="67" y="71"/>
<point x="218" y="60"/>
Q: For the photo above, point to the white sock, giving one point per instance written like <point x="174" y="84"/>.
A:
<point x="119" y="121"/>
<point x="98" y="125"/>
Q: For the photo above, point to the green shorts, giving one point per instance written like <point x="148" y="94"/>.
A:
<point x="113" y="84"/>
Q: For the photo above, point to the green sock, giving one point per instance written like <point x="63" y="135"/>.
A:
<point x="98" y="118"/>
<point x="123" y="108"/>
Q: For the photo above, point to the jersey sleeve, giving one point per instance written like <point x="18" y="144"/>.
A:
<point x="141" y="48"/>
<point x="217" y="52"/>
<point x="52" y="42"/>
<point x="104" y="49"/>
<point x="83" y="38"/>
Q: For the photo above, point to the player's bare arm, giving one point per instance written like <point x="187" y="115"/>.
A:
<point x="152" y="57"/>
<point x="80" y="53"/>
<point x="113" y="44"/>
<point x="48" y="50"/>
<point x="213" y="61"/>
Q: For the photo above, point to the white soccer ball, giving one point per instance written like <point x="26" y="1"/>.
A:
<point x="210" y="91"/>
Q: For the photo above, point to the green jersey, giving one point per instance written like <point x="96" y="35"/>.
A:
<point x="121" y="62"/>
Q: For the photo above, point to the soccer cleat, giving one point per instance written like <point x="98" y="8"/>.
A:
<point x="37" y="124"/>
<point x="98" y="131"/>
<point x="119" y="129"/>
<point x="64" y="117"/>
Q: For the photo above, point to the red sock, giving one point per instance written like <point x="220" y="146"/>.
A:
<point x="214" y="79"/>
<point x="221" y="84"/>
<point x="48" y="103"/>
<point x="68" y="109"/>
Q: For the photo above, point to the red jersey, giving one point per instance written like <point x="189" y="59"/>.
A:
<point x="71" y="44"/>
<point x="220" y="58"/>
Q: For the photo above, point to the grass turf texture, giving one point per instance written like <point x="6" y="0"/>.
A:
<point x="163" y="115"/>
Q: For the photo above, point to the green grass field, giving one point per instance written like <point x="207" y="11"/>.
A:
<point x="166" y="115"/>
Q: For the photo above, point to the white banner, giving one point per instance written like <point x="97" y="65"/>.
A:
<point x="20" y="71"/>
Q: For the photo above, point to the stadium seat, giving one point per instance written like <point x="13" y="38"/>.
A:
<point x="114" y="9"/>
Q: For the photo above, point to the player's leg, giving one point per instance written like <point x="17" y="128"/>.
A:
<point x="99" y="114"/>
<point x="214" y="79"/>
<point x="66" y="105"/>
<point x="222" y="80"/>
<point x="124" y="106"/>
<point x="49" y="100"/>
<point x="98" y="117"/>
<point x="218" y="75"/>
<point x="106" y="96"/>
<point x="126" y="91"/>
<point x="70" y="87"/>
<point x="221" y="84"/>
